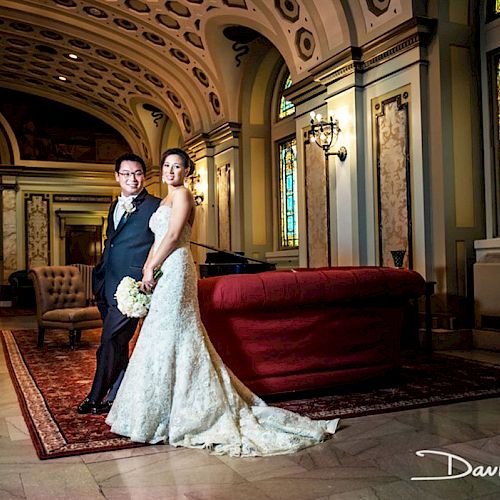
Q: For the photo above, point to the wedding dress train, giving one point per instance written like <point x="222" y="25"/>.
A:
<point x="177" y="389"/>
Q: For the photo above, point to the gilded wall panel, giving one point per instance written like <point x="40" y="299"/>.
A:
<point x="9" y="236"/>
<point x="224" y="206"/>
<point x="317" y="207"/>
<point x="37" y="225"/>
<point x="391" y="143"/>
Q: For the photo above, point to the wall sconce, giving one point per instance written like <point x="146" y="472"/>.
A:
<point x="194" y="185"/>
<point x="323" y="133"/>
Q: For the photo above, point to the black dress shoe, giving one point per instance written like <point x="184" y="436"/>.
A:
<point x="102" y="408"/>
<point x="86" y="406"/>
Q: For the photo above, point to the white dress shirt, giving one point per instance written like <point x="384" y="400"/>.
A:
<point x="120" y="209"/>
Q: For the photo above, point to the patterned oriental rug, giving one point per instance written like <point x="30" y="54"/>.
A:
<point x="51" y="382"/>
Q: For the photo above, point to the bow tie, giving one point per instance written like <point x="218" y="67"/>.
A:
<point x="125" y="200"/>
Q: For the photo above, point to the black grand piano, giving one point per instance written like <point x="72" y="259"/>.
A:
<point x="220" y="262"/>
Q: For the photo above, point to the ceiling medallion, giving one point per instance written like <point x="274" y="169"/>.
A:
<point x="93" y="74"/>
<point x="178" y="8"/>
<point x="39" y="64"/>
<point x="85" y="87"/>
<point x="175" y="100"/>
<point x="153" y="38"/>
<point x="201" y="76"/>
<point x="178" y="54"/>
<point x="20" y="43"/>
<point x="142" y="90"/>
<point x="12" y="66"/>
<point x="13" y="58"/>
<point x="116" y="84"/>
<point x="100" y="104"/>
<point x="124" y="108"/>
<point x="130" y="65"/>
<point x="98" y="66"/>
<point x="289" y="9"/>
<point x="125" y="24"/>
<point x="46" y="49"/>
<point x="154" y="80"/>
<point x="44" y="57"/>
<point x="110" y="91"/>
<point x="214" y="101"/>
<point x="107" y="54"/>
<point x="168" y="21"/>
<point x="26" y="28"/>
<point x="121" y="77"/>
<point x="378" y="7"/>
<point x="80" y="44"/>
<point x="304" y="41"/>
<point x="34" y="81"/>
<point x="89" y="81"/>
<point x="105" y="96"/>
<point x="51" y="34"/>
<point x="66" y="3"/>
<point x="194" y="39"/>
<point x="135" y="131"/>
<point x="137" y="5"/>
<point x="16" y="50"/>
<point x="236" y="3"/>
<point x="69" y="64"/>
<point x="187" y="123"/>
<point x="95" y="12"/>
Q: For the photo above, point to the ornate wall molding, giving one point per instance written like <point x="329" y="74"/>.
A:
<point x="37" y="224"/>
<point x="81" y="198"/>
<point x="416" y="32"/>
<point x="224" y="206"/>
<point x="391" y="142"/>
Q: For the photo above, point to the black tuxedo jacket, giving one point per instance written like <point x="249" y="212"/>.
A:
<point x="126" y="248"/>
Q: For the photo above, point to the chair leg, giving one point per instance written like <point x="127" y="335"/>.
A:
<point x="72" y="337"/>
<point x="41" y="335"/>
<point x="78" y="336"/>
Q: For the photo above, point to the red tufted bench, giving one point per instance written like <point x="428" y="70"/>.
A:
<point x="288" y="331"/>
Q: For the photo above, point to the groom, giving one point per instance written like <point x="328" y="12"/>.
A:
<point x="128" y="240"/>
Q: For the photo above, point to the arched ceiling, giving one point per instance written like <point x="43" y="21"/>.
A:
<point x="164" y="53"/>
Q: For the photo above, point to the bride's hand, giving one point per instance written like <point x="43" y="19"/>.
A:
<point x="148" y="281"/>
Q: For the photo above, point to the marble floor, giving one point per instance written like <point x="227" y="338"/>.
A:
<point x="370" y="457"/>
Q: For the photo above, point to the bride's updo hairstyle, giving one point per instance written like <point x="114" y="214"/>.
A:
<point x="186" y="160"/>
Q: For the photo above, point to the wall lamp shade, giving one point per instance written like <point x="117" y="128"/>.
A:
<point x="324" y="133"/>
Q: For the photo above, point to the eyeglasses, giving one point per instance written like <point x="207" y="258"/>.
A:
<point x="127" y="175"/>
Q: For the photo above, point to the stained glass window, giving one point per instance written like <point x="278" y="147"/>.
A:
<point x="286" y="107"/>
<point x="288" y="194"/>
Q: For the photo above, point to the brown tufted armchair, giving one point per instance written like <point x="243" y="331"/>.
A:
<point x="61" y="302"/>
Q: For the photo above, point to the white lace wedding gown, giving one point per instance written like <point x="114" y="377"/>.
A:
<point x="176" y="388"/>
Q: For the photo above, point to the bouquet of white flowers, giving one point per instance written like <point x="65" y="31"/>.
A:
<point x="132" y="301"/>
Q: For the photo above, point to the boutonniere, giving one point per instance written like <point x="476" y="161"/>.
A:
<point x="129" y="207"/>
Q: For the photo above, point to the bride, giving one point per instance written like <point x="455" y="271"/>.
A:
<point x="177" y="389"/>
